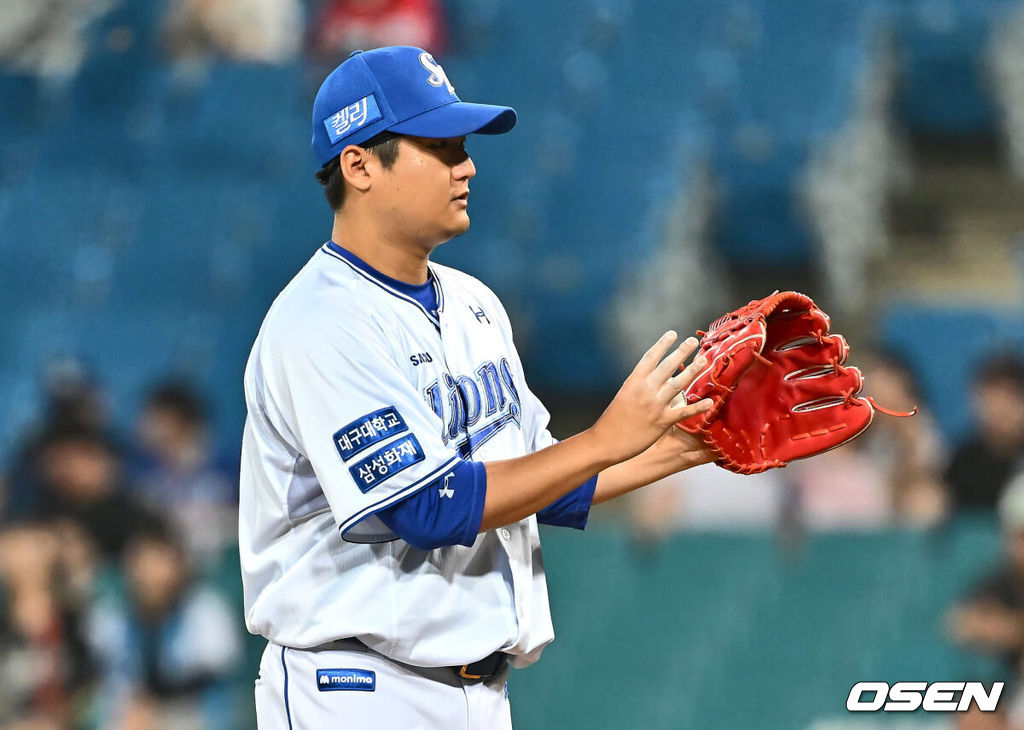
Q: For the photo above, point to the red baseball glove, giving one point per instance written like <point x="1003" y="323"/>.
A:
<point x="780" y="387"/>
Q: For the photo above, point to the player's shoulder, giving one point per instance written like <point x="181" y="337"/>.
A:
<point x="321" y="299"/>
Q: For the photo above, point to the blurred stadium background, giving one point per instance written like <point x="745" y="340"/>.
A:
<point x="673" y="159"/>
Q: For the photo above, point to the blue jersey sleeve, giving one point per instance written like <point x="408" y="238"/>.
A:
<point x="448" y="515"/>
<point x="571" y="510"/>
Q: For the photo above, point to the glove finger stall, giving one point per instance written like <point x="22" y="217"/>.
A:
<point x="791" y="327"/>
<point x="825" y="384"/>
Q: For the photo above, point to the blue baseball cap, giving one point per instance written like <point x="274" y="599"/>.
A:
<point x="398" y="89"/>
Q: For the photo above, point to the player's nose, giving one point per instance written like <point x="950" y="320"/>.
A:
<point x="465" y="169"/>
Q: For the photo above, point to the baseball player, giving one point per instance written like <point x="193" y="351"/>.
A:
<point x="395" y="464"/>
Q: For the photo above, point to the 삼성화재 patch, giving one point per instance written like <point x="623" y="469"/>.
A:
<point x="384" y="463"/>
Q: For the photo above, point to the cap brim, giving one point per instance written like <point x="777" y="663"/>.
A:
<point x="459" y="119"/>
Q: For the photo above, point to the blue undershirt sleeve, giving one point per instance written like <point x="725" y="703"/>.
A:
<point x="571" y="510"/>
<point x="447" y="512"/>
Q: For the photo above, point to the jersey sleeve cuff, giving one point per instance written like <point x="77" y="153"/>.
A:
<point x="365" y="527"/>
<point x="571" y="510"/>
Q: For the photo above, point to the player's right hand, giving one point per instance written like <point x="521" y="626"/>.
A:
<point x="646" y="406"/>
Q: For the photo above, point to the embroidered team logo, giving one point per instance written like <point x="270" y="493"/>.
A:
<point x="437" y="75"/>
<point x="489" y="395"/>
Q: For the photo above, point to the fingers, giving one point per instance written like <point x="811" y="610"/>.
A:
<point x="683" y="412"/>
<point x="678" y="382"/>
<point x="671" y="364"/>
<point x="653" y="356"/>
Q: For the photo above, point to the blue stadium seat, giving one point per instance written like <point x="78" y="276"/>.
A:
<point x="942" y="48"/>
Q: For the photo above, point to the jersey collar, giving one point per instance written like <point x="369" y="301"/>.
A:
<point x="396" y="288"/>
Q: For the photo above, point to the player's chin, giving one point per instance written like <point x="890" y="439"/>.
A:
<point x="459" y="223"/>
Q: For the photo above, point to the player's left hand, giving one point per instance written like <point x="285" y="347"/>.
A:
<point x="680" y="450"/>
<point x="673" y="451"/>
<point x="689" y="448"/>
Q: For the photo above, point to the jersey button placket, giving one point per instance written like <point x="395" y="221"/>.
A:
<point x="513" y="548"/>
<point x="505" y="536"/>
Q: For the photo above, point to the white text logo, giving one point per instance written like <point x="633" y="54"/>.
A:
<point x="446" y="491"/>
<point x="437" y="75"/>
<point x="933" y="697"/>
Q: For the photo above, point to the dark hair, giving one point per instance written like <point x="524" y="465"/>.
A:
<point x="157" y="531"/>
<point x="1003" y="369"/>
<point x="384" y="145"/>
<point x="73" y="431"/>
<point x="180" y="399"/>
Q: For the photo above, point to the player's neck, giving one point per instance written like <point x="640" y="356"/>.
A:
<point x="399" y="260"/>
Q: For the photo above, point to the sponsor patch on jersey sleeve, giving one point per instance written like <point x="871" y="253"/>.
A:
<point x="368" y="430"/>
<point x="384" y="463"/>
<point x="332" y="680"/>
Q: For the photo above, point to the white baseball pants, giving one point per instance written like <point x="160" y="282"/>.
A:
<point x="356" y="688"/>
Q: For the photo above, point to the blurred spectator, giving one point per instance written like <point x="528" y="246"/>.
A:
<point x="706" y="498"/>
<point x="182" y="476"/>
<point x="890" y="475"/>
<point x="1006" y="64"/>
<point x="991" y="618"/>
<point x="82" y="484"/>
<point x="984" y="462"/>
<point x="343" y="26"/>
<point x="73" y="397"/>
<point x="45" y="668"/>
<point x="267" y="31"/>
<point x="47" y="39"/>
<point x="841" y="489"/>
<point x="167" y="643"/>
<point x="908" y="451"/>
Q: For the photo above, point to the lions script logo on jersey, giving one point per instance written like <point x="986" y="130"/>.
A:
<point x="331" y="680"/>
<point x="437" y="75"/>
<point x="462" y="402"/>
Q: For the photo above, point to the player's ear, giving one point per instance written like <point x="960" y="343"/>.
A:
<point x="353" y="160"/>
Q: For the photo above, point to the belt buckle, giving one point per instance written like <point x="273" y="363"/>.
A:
<point x="466" y="675"/>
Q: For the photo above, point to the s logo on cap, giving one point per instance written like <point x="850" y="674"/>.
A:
<point x="437" y="75"/>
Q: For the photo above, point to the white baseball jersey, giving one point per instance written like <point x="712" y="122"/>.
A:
<point x="358" y="397"/>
